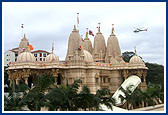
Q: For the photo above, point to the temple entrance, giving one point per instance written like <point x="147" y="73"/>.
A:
<point x="30" y="82"/>
<point x="59" y="79"/>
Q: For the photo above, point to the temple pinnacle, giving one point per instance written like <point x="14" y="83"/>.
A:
<point x="86" y="32"/>
<point x="99" y="27"/>
<point x="112" y="33"/>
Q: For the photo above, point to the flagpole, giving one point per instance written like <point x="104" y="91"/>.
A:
<point x="52" y="47"/>
<point x="78" y="21"/>
<point x="99" y="27"/>
<point x="86" y="32"/>
<point x="22" y="29"/>
<point x="135" y="49"/>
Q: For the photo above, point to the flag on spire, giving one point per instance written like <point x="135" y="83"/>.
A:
<point x="31" y="47"/>
<point x="22" y="26"/>
<point x="91" y="33"/>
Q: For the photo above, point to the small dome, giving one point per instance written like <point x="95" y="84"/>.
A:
<point x="88" y="57"/>
<point x="52" y="58"/>
<point x="136" y="60"/>
<point x="26" y="57"/>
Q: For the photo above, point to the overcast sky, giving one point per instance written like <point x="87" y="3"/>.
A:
<point x="52" y="22"/>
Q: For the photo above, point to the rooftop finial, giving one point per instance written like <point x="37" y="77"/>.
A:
<point x="135" y="49"/>
<point x="99" y="27"/>
<point x="78" y="21"/>
<point x="112" y="33"/>
<point x="24" y="37"/>
<point x="52" y="47"/>
<point x="74" y="27"/>
<point x="22" y="26"/>
<point x="86" y="32"/>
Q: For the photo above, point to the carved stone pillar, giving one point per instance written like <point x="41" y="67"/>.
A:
<point x="26" y="80"/>
<point x="145" y="74"/>
<point x="26" y="73"/>
<point x="143" y="104"/>
<point x="10" y="73"/>
<point x="17" y="81"/>
<point x="55" y="74"/>
<point x="125" y="74"/>
<point x="139" y="73"/>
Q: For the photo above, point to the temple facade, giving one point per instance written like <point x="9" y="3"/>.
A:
<point x="98" y="66"/>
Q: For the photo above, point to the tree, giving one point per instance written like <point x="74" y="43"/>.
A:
<point x="155" y="74"/>
<point x="127" y="56"/>
<point x="69" y="98"/>
<point x="85" y="99"/>
<point x="153" y="94"/>
<point x="150" y="96"/>
<point x="63" y="97"/>
<point x="35" y="98"/>
<point x="104" y="96"/>
<point x="12" y="101"/>
<point x="129" y="97"/>
<point x="6" y="81"/>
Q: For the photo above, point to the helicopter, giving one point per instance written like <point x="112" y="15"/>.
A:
<point x="140" y="29"/>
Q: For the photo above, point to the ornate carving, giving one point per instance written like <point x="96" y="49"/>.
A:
<point x="125" y="73"/>
<point x="139" y="73"/>
<point x="10" y="74"/>
<point x="55" y="72"/>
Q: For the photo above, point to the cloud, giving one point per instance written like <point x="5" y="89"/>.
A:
<point x="47" y="23"/>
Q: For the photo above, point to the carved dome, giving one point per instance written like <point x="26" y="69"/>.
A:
<point x="26" y="57"/>
<point x="52" y="58"/>
<point x="136" y="60"/>
<point x="87" y="56"/>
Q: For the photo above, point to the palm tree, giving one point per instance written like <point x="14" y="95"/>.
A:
<point x="35" y="98"/>
<point x="104" y="96"/>
<point x="64" y="97"/>
<point x="129" y="97"/>
<point x="85" y="100"/>
<point x="153" y="94"/>
<point x="11" y="102"/>
<point x="68" y="98"/>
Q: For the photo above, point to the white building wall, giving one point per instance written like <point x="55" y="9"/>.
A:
<point x="42" y="56"/>
<point x="9" y="56"/>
